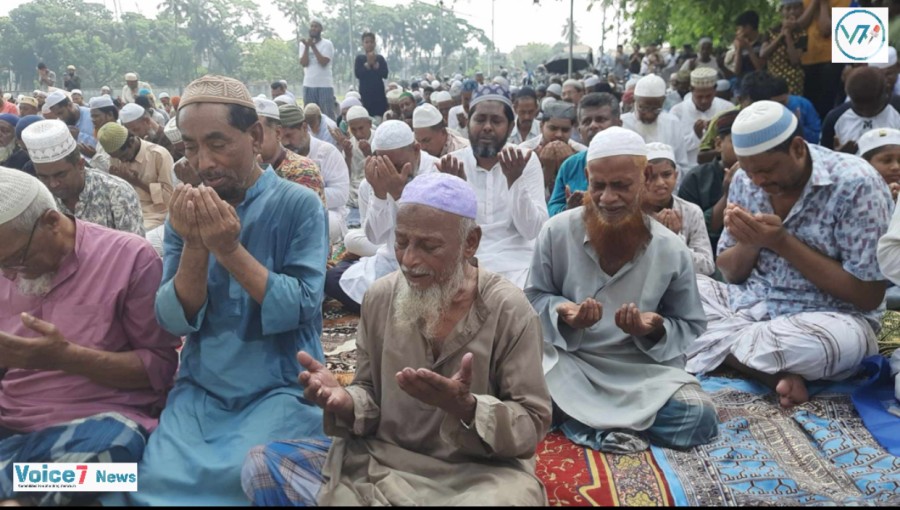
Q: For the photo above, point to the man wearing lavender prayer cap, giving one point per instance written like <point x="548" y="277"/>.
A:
<point x="448" y="404"/>
<point x="508" y="182"/>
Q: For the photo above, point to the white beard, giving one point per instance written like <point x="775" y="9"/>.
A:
<point x="38" y="287"/>
<point x="427" y="305"/>
<point x="649" y="132"/>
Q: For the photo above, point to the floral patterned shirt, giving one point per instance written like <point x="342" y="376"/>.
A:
<point x="303" y="171"/>
<point x="109" y="201"/>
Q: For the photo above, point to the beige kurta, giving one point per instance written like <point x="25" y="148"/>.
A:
<point x="153" y="165"/>
<point x="400" y="451"/>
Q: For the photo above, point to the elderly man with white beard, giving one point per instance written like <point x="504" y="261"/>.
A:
<point x="619" y="307"/>
<point x="85" y="366"/>
<point x="448" y="404"/>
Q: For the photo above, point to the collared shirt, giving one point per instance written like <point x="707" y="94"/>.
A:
<point x="101" y="298"/>
<point x="843" y="210"/>
<point x="154" y="168"/>
<point x="323" y="133"/>
<point x="694" y="234"/>
<point x="109" y="201"/>
<point x="516" y="137"/>
<point x="572" y="174"/>
<point x="688" y="114"/>
<point x="510" y="217"/>
<point x="303" y="171"/>
<point x="333" y="168"/>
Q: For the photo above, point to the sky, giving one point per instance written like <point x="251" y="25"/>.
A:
<point x="516" y="22"/>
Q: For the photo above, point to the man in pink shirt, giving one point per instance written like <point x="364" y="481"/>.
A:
<point x="85" y="366"/>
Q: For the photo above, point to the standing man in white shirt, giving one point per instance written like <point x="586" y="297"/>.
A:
<point x="698" y="109"/>
<point x="509" y="184"/>
<point x="315" y="57"/>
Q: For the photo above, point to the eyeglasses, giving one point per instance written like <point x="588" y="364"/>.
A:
<point x="644" y="109"/>
<point x="21" y="265"/>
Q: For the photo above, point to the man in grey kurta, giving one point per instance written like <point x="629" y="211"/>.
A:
<point x="618" y="321"/>
<point x="448" y="403"/>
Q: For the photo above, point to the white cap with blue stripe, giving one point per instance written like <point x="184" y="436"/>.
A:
<point x="761" y="127"/>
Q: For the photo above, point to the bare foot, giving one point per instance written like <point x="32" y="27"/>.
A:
<point x="791" y="390"/>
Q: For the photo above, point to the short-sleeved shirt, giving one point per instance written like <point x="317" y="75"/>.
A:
<point x="316" y="75"/>
<point x="819" y="46"/>
<point x="109" y="201"/>
<point x="779" y="63"/>
<point x="843" y="211"/>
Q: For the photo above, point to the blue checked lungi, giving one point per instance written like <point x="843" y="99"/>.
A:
<point x="321" y="96"/>
<point x="107" y="437"/>
<point x="285" y="473"/>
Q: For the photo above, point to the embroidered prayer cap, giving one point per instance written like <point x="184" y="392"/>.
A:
<point x="28" y="100"/>
<point x="616" y="141"/>
<point x="350" y="102"/>
<point x="48" y="141"/>
<point x="704" y="77"/>
<point x="130" y="77"/>
<point x="876" y="138"/>
<point x="56" y="97"/>
<point x="393" y="96"/>
<point x="9" y="118"/>
<point x="490" y="92"/>
<point x="171" y="130"/>
<point x="892" y="59"/>
<point x="650" y="86"/>
<point x="723" y="85"/>
<point x="392" y="134"/>
<point x="131" y="112"/>
<point x="559" y="110"/>
<point x="358" y="112"/>
<point x="441" y="96"/>
<point x="443" y="192"/>
<point x="555" y="89"/>
<point x="291" y="115"/>
<point x="217" y="89"/>
<point x="17" y="191"/>
<point x="760" y="127"/>
<point x="284" y="99"/>
<point x="100" y="102"/>
<point x="266" y="108"/>
<point x="426" y="116"/>
<point x="112" y="136"/>
<point x="657" y="150"/>
<point x="24" y="122"/>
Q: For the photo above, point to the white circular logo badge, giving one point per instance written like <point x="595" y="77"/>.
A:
<point x="860" y="35"/>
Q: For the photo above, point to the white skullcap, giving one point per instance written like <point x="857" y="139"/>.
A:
<point x="164" y="94"/>
<point x="353" y="93"/>
<point x="616" y="141"/>
<point x="100" y="102"/>
<point x="312" y="109"/>
<point x="350" y="102"/>
<point x="760" y="127"/>
<point x="392" y="134"/>
<point x="892" y="59"/>
<point x="545" y="103"/>
<point x="441" y="96"/>
<point x="266" y="108"/>
<point x="131" y="112"/>
<point x="48" y="141"/>
<point x="555" y="89"/>
<point x="393" y="96"/>
<point x="45" y="109"/>
<point x="650" y="86"/>
<point x="593" y="81"/>
<point x="76" y="91"/>
<point x="723" y="85"/>
<point x="631" y="83"/>
<point x="499" y="80"/>
<point x="130" y="77"/>
<point x="704" y="77"/>
<point x="456" y="89"/>
<point x="573" y="83"/>
<point x="657" y="150"/>
<point x="426" y="116"/>
<point x="55" y="98"/>
<point x="435" y="84"/>
<point x="417" y="95"/>
<point x="876" y="138"/>
<point x="284" y="99"/>
<point x="457" y="77"/>
<point x="17" y="191"/>
<point x="424" y="83"/>
<point x="171" y="130"/>
<point x="358" y="112"/>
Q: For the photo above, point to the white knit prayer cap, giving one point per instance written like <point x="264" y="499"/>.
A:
<point x="17" y="191"/>
<point x="48" y="141"/>
<point x="392" y="134"/>
<point x="284" y="99"/>
<point x="171" y="130"/>
<point x="555" y="88"/>
<point x="131" y="112"/>
<point x="130" y="77"/>
<point x="356" y="113"/>
<point x="426" y="116"/>
<point x="266" y="108"/>
<point x="616" y="141"/>
<point x="657" y="150"/>
<point x="435" y="84"/>
<point x="393" y="96"/>
<point x="650" y="86"/>
<point x="164" y="94"/>
<point x="100" y="102"/>
<point x="56" y="97"/>
<point x="350" y="102"/>
<point x="760" y="127"/>
<point x="441" y="96"/>
<point x="876" y="138"/>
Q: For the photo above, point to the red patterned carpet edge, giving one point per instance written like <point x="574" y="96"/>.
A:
<point x="578" y="476"/>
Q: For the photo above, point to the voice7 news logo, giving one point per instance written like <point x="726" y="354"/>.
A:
<point x="859" y="35"/>
<point x="63" y="477"/>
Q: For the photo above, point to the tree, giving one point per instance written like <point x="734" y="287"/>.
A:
<point x="269" y="60"/>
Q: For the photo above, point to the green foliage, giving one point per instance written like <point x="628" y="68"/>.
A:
<point x="273" y="59"/>
<point x="532" y="53"/>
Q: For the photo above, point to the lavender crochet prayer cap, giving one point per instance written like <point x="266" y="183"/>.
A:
<point x="443" y="192"/>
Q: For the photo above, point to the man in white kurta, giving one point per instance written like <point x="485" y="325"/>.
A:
<point x="653" y="124"/>
<point x="509" y="184"/>
<point x="619" y="308"/>
<point x="699" y="107"/>
<point x="396" y="162"/>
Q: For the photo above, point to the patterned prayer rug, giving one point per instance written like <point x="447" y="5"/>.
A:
<point x="339" y="341"/>
<point x="819" y="453"/>
<point x="889" y="337"/>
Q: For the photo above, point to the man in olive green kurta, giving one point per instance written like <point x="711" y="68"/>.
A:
<point x="446" y="408"/>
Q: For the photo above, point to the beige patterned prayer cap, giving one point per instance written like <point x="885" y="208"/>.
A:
<point x="216" y="89"/>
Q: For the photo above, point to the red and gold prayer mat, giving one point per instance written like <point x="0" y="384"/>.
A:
<point x="578" y="476"/>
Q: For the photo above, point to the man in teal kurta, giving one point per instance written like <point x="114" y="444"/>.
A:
<point x="243" y="280"/>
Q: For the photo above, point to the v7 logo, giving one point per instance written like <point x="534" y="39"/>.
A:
<point x="859" y="28"/>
